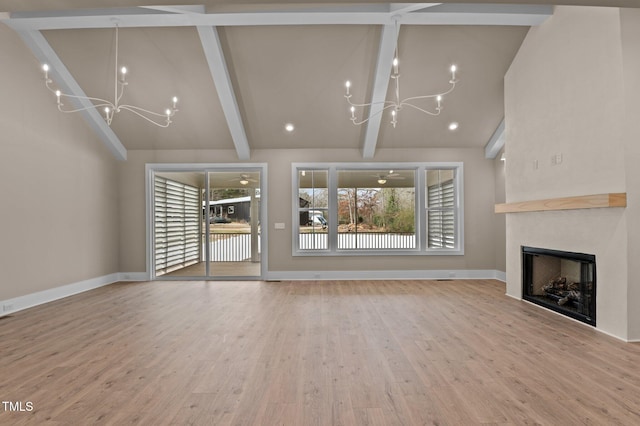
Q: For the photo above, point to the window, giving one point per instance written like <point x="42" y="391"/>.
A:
<point x="346" y="208"/>
<point x="313" y="209"/>
<point x="441" y="211"/>
<point x="376" y="209"/>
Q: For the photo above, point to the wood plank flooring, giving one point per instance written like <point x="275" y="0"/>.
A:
<point x="219" y="269"/>
<point x="311" y="353"/>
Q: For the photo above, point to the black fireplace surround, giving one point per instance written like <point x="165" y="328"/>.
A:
<point x="561" y="281"/>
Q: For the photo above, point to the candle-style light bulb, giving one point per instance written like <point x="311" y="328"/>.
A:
<point x="168" y="112"/>
<point x="353" y="112"/>
<point x="58" y="94"/>
<point x="439" y="99"/>
<point x="395" y="65"/>
<point x="348" y="85"/>
<point x="123" y="73"/>
<point x="45" y="68"/>
<point x="174" y="101"/>
<point x="453" y="72"/>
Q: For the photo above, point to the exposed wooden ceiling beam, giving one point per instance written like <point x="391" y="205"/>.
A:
<point x="390" y="16"/>
<point x="480" y="14"/>
<point x="220" y="74"/>
<point x="381" y="77"/>
<point x="409" y="7"/>
<point x="496" y="143"/>
<point x="354" y="15"/>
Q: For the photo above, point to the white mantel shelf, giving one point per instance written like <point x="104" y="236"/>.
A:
<point x="594" y="201"/>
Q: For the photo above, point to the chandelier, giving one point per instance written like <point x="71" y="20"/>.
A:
<point x="109" y="108"/>
<point x="398" y="103"/>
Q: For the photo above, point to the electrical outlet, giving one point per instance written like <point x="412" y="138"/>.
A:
<point x="535" y="164"/>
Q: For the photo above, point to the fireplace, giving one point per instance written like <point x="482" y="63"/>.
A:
<point x="562" y="281"/>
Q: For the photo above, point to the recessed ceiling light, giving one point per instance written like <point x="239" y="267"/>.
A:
<point x="453" y="126"/>
<point x="289" y="127"/>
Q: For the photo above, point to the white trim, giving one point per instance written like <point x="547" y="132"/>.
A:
<point x="496" y="143"/>
<point x="367" y="14"/>
<point x="382" y="74"/>
<point x="603" y="332"/>
<point x="220" y="74"/>
<point x="421" y="226"/>
<point x="34" y="299"/>
<point x="501" y="276"/>
<point x="133" y="276"/>
<point x="434" y="274"/>
<point x="560" y="314"/>
<point x="152" y="168"/>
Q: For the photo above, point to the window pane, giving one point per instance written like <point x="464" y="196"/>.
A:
<point x="376" y="209"/>
<point x="441" y="211"/>
<point x="313" y="211"/>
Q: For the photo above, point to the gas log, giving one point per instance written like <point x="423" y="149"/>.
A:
<point x="562" y="290"/>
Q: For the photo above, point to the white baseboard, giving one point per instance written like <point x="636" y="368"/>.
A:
<point x="383" y="275"/>
<point x="133" y="276"/>
<point x="30" y="300"/>
<point x="16" y="304"/>
<point x="501" y="276"/>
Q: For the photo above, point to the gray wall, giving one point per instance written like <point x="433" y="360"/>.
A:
<point x="58" y="185"/>
<point x="630" y="26"/>
<point x="567" y="93"/>
<point x="500" y="234"/>
<point x="72" y="213"/>
<point x="479" y="201"/>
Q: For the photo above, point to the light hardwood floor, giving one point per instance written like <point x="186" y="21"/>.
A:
<point x="312" y="353"/>
<point x="219" y="269"/>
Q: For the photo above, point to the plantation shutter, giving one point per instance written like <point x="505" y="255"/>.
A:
<point x="441" y="215"/>
<point x="177" y="218"/>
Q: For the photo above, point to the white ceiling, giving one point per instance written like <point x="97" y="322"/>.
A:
<point x="241" y="76"/>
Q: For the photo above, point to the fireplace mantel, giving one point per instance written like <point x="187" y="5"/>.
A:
<point x="593" y="201"/>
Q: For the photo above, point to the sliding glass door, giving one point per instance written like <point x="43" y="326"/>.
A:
<point x="234" y="223"/>
<point x="177" y="242"/>
<point x="205" y="224"/>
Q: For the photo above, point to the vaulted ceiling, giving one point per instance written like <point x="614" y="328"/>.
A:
<point x="242" y="71"/>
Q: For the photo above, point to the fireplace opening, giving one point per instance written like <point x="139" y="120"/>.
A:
<point x="562" y="281"/>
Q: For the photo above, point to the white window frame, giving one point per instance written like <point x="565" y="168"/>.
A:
<point x="458" y="186"/>
<point x="152" y="168"/>
<point x="420" y="208"/>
